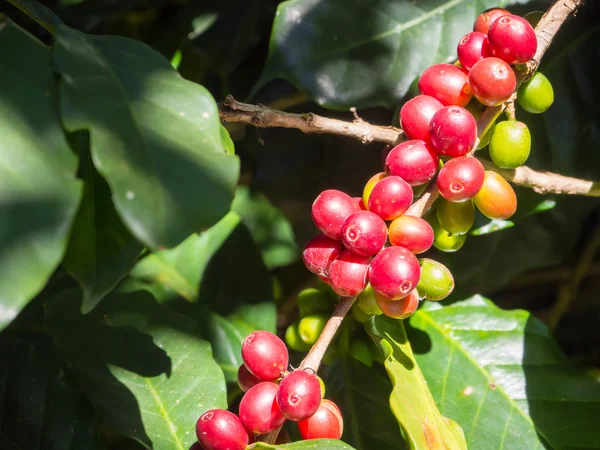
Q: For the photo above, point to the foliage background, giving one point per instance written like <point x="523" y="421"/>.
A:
<point x="170" y="283"/>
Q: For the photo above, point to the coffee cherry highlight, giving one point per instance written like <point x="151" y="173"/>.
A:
<point x="299" y="395"/>
<point x="512" y="39"/>
<point x="492" y="81"/>
<point x="446" y="83"/>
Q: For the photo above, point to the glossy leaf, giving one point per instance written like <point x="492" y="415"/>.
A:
<point x="313" y="444"/>
<point x="270" y="229"/>
<point x="43" y="15"/>
<point x="501" y="376"/>
<point x="144" y="389"/>
<point x="411" y="401"/>
<point x="155" y="137"/>
<point x="39" y="193"/>
<point x="39" y="409"/>
<point x="363" y="394"/>
<point x="101" y="250"/>
<point x="365" y="53"/>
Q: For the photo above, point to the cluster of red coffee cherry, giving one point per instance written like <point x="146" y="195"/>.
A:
<point x="353" y="249"/>
<point x="272" y="395"/>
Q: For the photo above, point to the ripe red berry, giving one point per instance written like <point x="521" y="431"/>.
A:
<point x="364" y="233"/>
<point x="326" y="423"/>
<point x="512" y="39"/>
<point x="398" y="309"/>
<point x="265" y="355"/>
<point x="453" y="131"/>
<point x="446" y="83"/>
<point x="492" y="81"/>
<point x="460" y="178"/>
<point x="412" y="233"/>
<point x="219" y="429"/>
<point x="259" y="411"/>
<point x="473" y="47"/>
<point x="299" y="395"/>
<point x="359" y="202"/>
<point x="319" y="252"/>
<point x="416" y="114"/>
<point x="245" y="379"/>
<point x="348" y="273"/>
<point x="394" y="272"/>
<point x="486" y="18"/>
<point x="390" y="198"/>
<point x="329" y="211"/>
<point x="416" y="162"/>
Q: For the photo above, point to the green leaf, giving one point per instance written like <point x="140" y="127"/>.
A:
<point x="357" y="53"/>
<point x="270" y="229"/>
<point x="155" y="137"/>
<point x="411" y="400"/>
<point x="143" y="367"/>
<point x="362" y="394"/>
<point x="501" y="376"/>
<point x="101" y="250"/>
<point x="39" y="193"/>
<point x="38" y="409"/>
<point x="38" y="12"/>
<point x="315" y="444"/>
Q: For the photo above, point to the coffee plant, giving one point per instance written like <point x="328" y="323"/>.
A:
<point x="185" y="271"/>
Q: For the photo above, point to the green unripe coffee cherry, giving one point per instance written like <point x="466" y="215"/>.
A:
<point x="312" y="301"/>
<point x="436" y="282"/>
<point x="510" y="144"/>
<point x="360" y="351"/>
<point x="293" y="339"/>
<point x="536" y="94"/>
<point x="322" y="383"/>
<point x="366" y="302"/>
<point x="442" y="239"/>
<point x="311" y="326"/>
<point x="455" y="217"/>
<point x="359" y="314"/>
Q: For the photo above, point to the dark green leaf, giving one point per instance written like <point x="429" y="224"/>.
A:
<point x="142" y="366"/>
<point x="363" y="395"/>
<point x="101" y="250"/>
<point x="357" y="53"/>
<point x="38" y="12"/>
<point x="39" y="192"/>
<point x="155" y="137"/>
<point x="316" y="444"/>
<point x="501" y="376"/>
<point x="411" y="400"/>
<point x="270" y="229"/>
<point x="38" y="410"/>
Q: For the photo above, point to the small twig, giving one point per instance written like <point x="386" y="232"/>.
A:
<point x="568" y="291"/>
<point x="510" y="110"/>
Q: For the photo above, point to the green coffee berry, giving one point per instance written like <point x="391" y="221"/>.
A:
<point x="311" y="326"/>
<point x="366" y="302"/>
<point x="455" y="217"/>
<point x="444" y="240"/>
<point x="359" y="314"/>
<point x="536" y="94"/>
<point x="510" y="144"/>
<point x="436" y="282"/>
<point x="312" y="301"/>
<point x="293" y="339"/>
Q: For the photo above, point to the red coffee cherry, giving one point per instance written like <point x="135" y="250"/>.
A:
<point x="326" y="423"/>
<point x="259" y="411"/>
<point x="329" y="211"/>
<point x="359" y="202"/>
<point x="299" y="395"/>
<point x="265" y="355"/>
<point x="398" y="309"/>
<point x="446" y="83"/>
<point x="416" y="114"/>
<point x="496" y="199"/>
<point x="319" y="252"/>
<point x="390" y="198"/>
<point x="412" y="233"/>
<point x="394" y="272"/>
<point x="492" y="81"/>
<point x="348" y="273"/>
<point x="460" y="178"/>
<point x="416" y="162"/>
<point x="453" y="131"/>
<point x="473" y="47"/>
<point x="486" y="18"/>
<point x="245" y="378"/>
<point x="512" y="39"/>
<point x="219" y="429"/>
<point x="364" y="233"/>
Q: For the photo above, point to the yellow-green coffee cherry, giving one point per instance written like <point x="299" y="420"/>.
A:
<point x="443" y="240"/>
<point x="436" y="282"/>
<point x="312" y="301"/>
<point x="510" y="144"/>
<point x="359" y="314"/>
<point x="322" y="383"/>
<point x="360" y="351"/>
<point x="455" y="217"/>
<point x="293" y="339"/>
<point x="536" y="94"/>
<point x="311" y="326"/>
<point x="366" y="302"/>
